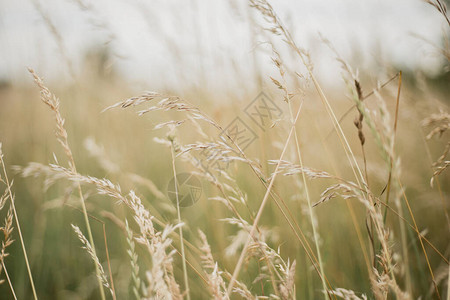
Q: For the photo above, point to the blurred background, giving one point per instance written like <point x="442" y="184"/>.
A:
<point x="215" y="44"/>
<point x="218" y="55"/>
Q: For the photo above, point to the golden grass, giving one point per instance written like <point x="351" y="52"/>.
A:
<point x="271" y="222"/>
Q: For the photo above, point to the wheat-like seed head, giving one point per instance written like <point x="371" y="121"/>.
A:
<point x="87" y="246"/>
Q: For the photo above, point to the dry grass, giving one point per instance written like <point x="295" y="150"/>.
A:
<point x="271" y="222"/>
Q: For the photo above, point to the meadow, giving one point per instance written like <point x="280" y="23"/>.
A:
<point x="292" y="190"/>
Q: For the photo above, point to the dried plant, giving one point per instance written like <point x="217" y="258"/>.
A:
<point x="134" y="263"/>
<point x="87" y="246"/>
<point x="268" y="228"/>
<point x="216" y="283"/>
<point x="347" y="294"/>
<point x="440" y="123"/>
<point x="7" y="229"/>
<point x="98" y="152"/>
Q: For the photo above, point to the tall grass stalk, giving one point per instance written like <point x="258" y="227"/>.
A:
<point x="183" y="255"/>
<point x="238" y="266"/>
<point x="267" y="11"/>
<point x="436" y="180"/>
<point x="348" y="151"/>
<point x="288" y="98"/>
<point x="176" y="103"/>
<point x="87" y="246"/>
<point x="11" y="197"/>
<point x="53" y="103"/>
<point x="312" y="216"/>
<point x="348" y="203"/>
<point x="9" y="281"/>
<point x="430" y="269"/>
<point x="398" y="203"/>
<point x="134" y="263"/>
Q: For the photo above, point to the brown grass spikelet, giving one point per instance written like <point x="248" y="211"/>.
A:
<point x="359" y="120"/>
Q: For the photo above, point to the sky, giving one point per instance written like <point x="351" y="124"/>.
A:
<point x="168" y="43"/>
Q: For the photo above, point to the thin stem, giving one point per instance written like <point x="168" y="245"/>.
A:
<point x="106" y="247"/>
<point x="416" y="231"/>
<point x="308" y="198"/>
<point x="448" y="284"/>
<point x="436" y="180"/>
<point x="420" y="239"/>
<point x="61" y="134"/>
<point x="19" y="230"/>
<point x="274" y="196"/>
<point x="398" y="202"/>
<point x="91" y="238"/>
<point x="362" y="99"/>
<point x="109" y="263"/>
<point x="348" y="203"/>
<point x="183" y="256"/>
<point x="393" y="143"/>
<point x="261" y="208"/>
<point x="9" y="280"/>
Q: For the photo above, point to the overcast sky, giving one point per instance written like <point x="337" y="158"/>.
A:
<point x="171" y="43"/>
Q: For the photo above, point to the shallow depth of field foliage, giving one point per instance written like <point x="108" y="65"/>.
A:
<point x="317" y="192"/>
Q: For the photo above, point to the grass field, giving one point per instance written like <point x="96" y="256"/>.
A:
<point x="295" y="190"/>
